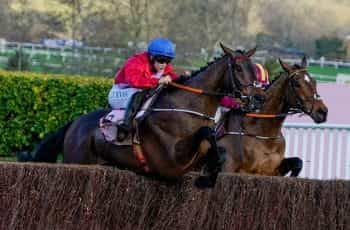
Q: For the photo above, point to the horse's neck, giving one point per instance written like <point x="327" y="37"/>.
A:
<point x="276" y="95"/>
<point x="275" y="103"/>
<point x="209" y="79"/>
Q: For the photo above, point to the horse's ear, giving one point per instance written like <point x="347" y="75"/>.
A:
<point x="285" y="66"/>
<point x="251" y="52"/>
<point x="226" y="49"/>
<point x="304" y="62"/>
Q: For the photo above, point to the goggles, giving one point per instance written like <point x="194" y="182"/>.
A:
<point x="162" y="59"/>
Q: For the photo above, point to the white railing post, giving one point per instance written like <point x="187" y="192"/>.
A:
<point x="322" y="62"/>
<point x="303" y="151"/>
<point x="339" y="154"/>
<point x="312" y="152"/>
<point x="329" y="154"/>
<point x="2" y="45"/>
<point x="347" y="157"/>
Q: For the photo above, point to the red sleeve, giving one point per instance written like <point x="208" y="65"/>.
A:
<point x="169" y="70"/>
<point x="116" y="76"/>
<point x="135" y="75"/>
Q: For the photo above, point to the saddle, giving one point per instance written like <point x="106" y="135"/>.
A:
<point x="109" y="129"/>
<point x="108" y="124"/>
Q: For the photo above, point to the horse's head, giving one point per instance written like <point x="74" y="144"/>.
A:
<point x="303" y="93"/>
<point x="242" y="79"/>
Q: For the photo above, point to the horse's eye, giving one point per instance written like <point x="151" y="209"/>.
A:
<point x="238" y="68"/>
<point x="296" y="84"/>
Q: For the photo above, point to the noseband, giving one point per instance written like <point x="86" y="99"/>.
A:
<point x="236" y="85"/>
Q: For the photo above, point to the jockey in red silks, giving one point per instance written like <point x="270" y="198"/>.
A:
<point x="262" y="77"/>
<point x="142" y="71"/>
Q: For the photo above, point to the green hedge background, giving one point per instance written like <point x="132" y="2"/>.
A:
<point x="32" y="105"/>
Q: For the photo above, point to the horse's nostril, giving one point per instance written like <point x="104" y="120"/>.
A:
<point x="323" y="111"/>
<point x="321" y="115"/>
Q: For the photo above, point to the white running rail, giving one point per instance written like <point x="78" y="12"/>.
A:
<point x="324" y="149"/>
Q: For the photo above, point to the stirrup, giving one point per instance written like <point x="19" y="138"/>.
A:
<point x="122" y="133"/>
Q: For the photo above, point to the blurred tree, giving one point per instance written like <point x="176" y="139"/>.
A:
<point x="27" y="24"/>
<point x="192" y="24"/>
<point x="75" y="14"/>
<point x="5" y="18"/>
<point x="330" y="47"/>
<point x="208" y="22"/>
<point x="264" y="41"/>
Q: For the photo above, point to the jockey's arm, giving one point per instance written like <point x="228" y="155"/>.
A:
<point x="135" y="78"/>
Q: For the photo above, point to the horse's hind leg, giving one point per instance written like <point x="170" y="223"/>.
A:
<point x="292" y="164"/>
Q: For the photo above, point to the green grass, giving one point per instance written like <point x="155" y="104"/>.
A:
<point x="327" y="73"/>
<point x="324" y="71"/>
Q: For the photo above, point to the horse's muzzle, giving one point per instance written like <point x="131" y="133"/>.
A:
<point x="254" y="103"/>
<point x="257" y="102"/>
<point x="320" y="115"/>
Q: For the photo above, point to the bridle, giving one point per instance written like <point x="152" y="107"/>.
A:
<point x="299" y="101"/>
<point x="292" y="109"/>
<point x="235" y="83"/>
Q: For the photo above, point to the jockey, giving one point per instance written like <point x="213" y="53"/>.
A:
<point x="142" y="71"/>
<point x="262" y="77"/>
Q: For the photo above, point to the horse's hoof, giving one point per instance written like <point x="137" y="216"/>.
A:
<point x="204" y="182"/>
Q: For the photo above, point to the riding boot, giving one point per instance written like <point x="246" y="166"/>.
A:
<point x="133" y="107"/>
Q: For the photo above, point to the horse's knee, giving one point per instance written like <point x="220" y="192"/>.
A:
<point x="205" y="133"/>
<point x="297" y="166"/>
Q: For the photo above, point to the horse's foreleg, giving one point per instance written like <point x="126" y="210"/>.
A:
<point x="214" y="160"/>
<point x="292" y="164"/>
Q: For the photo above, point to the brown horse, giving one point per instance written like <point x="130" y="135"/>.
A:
<point x="171" y="140"/>
<point x="254" y="142"/>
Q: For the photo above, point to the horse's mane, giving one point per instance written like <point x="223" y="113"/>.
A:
<point x="182" y="79"/>
<point x="275" y="80"/>
<point x="203" y="68"/>
<point x="281" y="73"/>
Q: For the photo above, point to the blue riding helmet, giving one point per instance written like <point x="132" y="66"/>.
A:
<point x="162" y="47"/>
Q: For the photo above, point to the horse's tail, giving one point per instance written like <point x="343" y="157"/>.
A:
<point x="49" y="148"/>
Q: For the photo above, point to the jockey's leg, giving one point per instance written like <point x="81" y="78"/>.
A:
<point x="133" y="107"/>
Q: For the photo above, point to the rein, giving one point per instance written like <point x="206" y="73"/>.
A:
<point x="199" y="91"/>
<point x="233" y="82"/>
<point x="267" y="116"/>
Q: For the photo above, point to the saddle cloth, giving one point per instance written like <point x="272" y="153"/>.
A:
<point x="108" y="124"/>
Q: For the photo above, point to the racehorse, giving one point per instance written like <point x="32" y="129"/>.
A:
<point x="171" y="140"/>
<point x="254" y="141"/>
